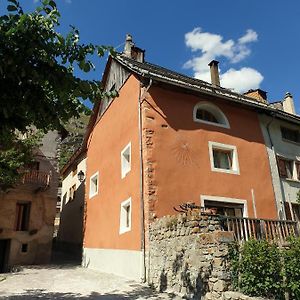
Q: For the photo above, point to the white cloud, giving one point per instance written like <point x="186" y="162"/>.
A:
<point x="250" y="36"/>
<point x="241" y="80"/>
<point x="209" y="46"/>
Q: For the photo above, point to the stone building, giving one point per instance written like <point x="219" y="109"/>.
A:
<point x="27" y="211"/>
<point x="169" y="139"/>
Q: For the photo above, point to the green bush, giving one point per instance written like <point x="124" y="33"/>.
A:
<point x="292" y="268"/>
<point x="259" y="268"/>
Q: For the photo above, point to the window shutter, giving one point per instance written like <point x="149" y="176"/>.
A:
<point x="281" y="167"/>
<point x="298" y="169"/>
<point x="287" y="211"/>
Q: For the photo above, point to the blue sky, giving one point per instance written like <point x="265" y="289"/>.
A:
<point x="257" y="42"/>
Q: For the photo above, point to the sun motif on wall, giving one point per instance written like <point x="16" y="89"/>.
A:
<point x="183" y="153"/>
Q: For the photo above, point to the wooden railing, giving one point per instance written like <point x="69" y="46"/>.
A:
<point x="37" y="178"/>
<point x="271" y="230"/>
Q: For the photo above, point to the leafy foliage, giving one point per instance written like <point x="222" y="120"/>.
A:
<point x="15" y="155"/>
<point x="38" y="85"/>
<point x="291" y="268"/>
<point x="76" y="129"/>
<point x="260" y="269"/>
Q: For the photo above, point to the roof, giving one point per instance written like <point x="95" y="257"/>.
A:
<point x="161" y="74"/>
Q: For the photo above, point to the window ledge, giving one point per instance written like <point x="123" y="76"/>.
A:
<point x="123" y="230"/>
<point x="291" y="180"/>
<point x="234" y="172"/>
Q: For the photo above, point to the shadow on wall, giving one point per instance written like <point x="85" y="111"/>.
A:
<point x="197" y="287"/>
<point x="137" y="293"/>
<point x="176" y="110"/>
<point x="70" y="232"/>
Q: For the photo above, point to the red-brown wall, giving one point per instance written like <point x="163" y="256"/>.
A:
<point x="117" y="127"/>
<point x="176" y="155"/>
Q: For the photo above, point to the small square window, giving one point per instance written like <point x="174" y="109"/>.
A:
<point x="223" y="158"/>
<point x="126" y="160"/>
<point x="125" y="216"/>
<point x="94" y="184"/>
<point x="24" y="248"/>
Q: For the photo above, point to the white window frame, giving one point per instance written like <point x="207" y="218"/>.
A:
<point x="226" y="200"/>
<point x="235" y="161"/>
<point x="97" y="187"/>
<point x="123" y="216"/>
<point x="124" y="170"/>
<point x="213" y="109"/>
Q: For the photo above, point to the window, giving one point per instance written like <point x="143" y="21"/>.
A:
<point x="22" y="216"/>
<point x="290" y="135"/>
<point x="208" y="113"/>
<point x="24" y="248"/>
<point x="225" y="206"/>
<point x="72" y="192"/>
<point x="225" y="209"/>
<point x="126" y="160"/>
<point x="125" y="216"/>
<point x="288" y="168"/>
<point x="94" y="182"/>
<point x="223" y="158"/>
<point x="297" y="163"/>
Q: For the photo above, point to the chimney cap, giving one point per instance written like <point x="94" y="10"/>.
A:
<point x="128" y="37"/>
<point x="288" y="94"/>
<point x="213" y="63"/>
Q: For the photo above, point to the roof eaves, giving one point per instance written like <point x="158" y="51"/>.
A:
<point x="211" y="90"/>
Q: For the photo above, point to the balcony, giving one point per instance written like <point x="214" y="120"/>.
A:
<point x="36" y="179"/>
<point x="245" y="229"/>
<point x="260" y="229"/>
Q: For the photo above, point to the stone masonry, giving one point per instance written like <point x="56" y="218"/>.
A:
<point x="188" y="257"/>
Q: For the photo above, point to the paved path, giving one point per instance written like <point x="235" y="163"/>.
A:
<point x="71" y="282"/>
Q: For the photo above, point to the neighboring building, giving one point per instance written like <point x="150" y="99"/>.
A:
<point x="27" y="212"/>
<point x="282" y="138"/>
<point x="70" y="233"/>
<point x="168" y="139"/>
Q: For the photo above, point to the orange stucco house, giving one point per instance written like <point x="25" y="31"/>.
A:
<point x="167" y="139"/>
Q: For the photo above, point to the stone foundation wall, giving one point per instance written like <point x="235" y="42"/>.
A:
<point x="188" y="257"/>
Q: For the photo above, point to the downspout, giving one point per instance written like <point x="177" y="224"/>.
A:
<point x="142" y="206"/>
<point x="282" y="209"/>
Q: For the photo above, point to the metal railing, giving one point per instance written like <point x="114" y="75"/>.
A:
<point x="271" y="230"/>
<point x="37" y="178"/>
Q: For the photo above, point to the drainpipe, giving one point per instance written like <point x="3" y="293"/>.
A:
<point x="281" y="208"/>
<point x="143" y="246"/>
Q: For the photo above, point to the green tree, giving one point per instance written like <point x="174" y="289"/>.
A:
<point x="38" y="84"/>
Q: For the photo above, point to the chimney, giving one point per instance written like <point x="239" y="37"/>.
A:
<point x="131" y="51"/>
<point x="288" y="104"/>
<point x="258" y="94"/>
<point x="214" y="72"/>
<point x="128" y="45"/>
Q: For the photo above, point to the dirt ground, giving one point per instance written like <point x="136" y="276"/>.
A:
<point x="71" y="282"/>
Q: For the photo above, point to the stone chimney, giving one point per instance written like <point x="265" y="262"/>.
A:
<point x="258" y="94"/>
<point x="214" y="72"/>
<point x="131" y="51"/>
<point x="288" y="104"/>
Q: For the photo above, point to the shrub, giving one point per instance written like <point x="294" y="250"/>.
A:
<point x="292" y="268"/>
<point x="258" y="270"/>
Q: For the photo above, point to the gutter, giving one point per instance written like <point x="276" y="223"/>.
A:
<point x="281" y="205"/>
<point x="142" y="205"/>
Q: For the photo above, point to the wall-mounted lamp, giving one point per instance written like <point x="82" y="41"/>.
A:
<point x="80" y="176"/>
